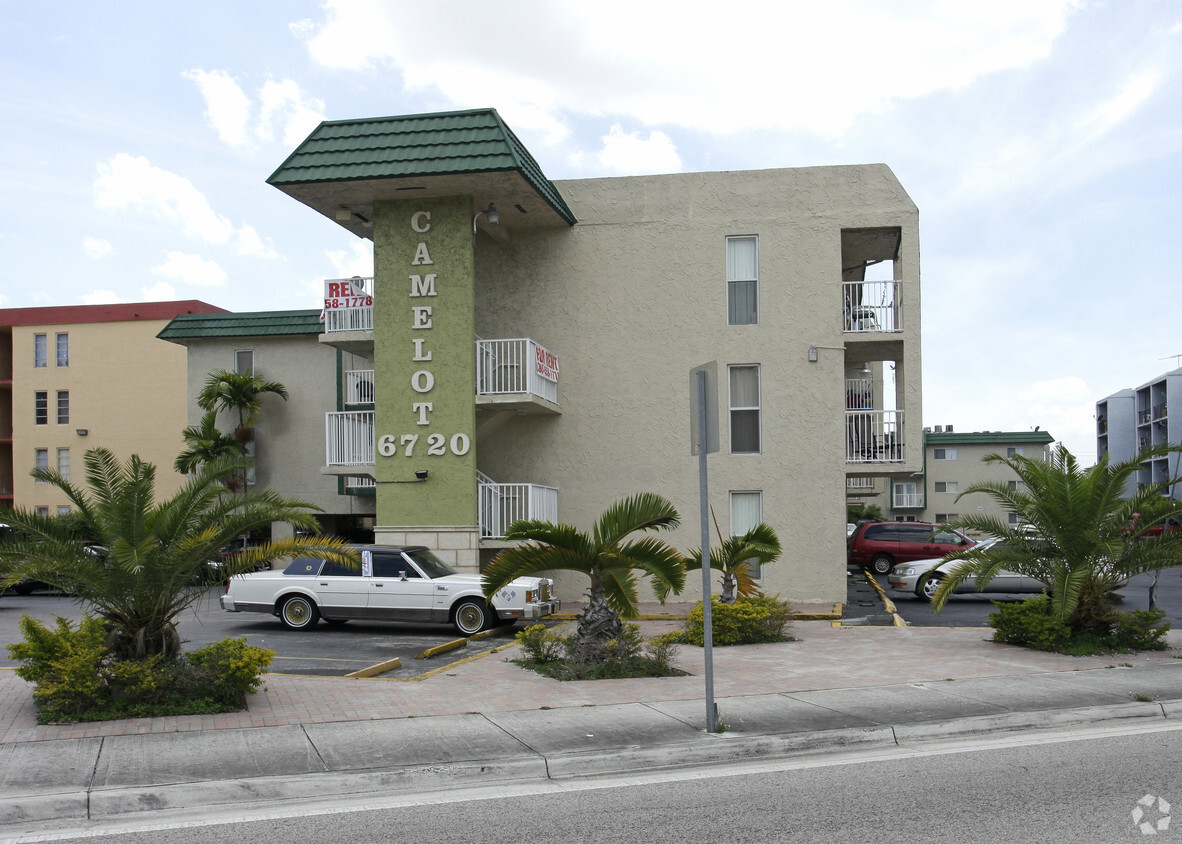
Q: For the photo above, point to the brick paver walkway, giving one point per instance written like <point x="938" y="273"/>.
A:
<point x="823" y="657"/>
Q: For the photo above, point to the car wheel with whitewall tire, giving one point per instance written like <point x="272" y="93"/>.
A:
<point x="881" y="563"/>
<point x="929" y="585"/>
<point x="299" y="613"/>
<point x="471" y="616"/>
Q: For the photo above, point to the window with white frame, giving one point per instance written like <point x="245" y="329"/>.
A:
<point x="947" y="486"/>
<point x="944" y="454"/>
<point x="1016" y="452"/>
<point x="746" y="513"/>
<point x="63" y="349"/>
<point x="41" y="460"/>
<point x="63" y="462"/>
<point x="63" y="509"/>
<point x="944" y="518"/>
<point x="742" y="280"/>
<point x="40" y="408"/>
<point x="744" y="409"/>
<point x="63" y="407"/>
<point x="40" y="348"/>
<point x="1014" y="519"/>
<point x="244" y="361"/>
<point x="41" y="511"/>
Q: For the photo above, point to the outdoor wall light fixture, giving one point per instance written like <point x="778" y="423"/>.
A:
<point x="421" y="474"/>
<point x="347" y="215"/>
<point x="493" y="215"/>
<point x="82" y="432"/>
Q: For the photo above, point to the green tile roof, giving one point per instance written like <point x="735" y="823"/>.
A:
<point x="257" y="324"/>
<point x="415" y="146"/>
<point x="986" y="437"/>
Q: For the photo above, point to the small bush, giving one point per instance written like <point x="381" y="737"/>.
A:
<point x="76" y="677"/>
<point x="1031" y="624"/>
<point x="747" y="621"/>
<point x="557" y="656"/>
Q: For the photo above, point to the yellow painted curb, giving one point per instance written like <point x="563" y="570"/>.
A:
<point x="380" y="668"/>
<point x="446" y="647"/>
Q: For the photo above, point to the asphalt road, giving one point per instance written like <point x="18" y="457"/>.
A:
<point x="324" y="650"/>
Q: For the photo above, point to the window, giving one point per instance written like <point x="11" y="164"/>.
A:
<point x="39" y="350"/>
<point x="1014" y="519"/>
<point x="63" y="509"/>
<point x="41" y="461"/>
<point x="63" y="350"/>
<point x="63" y="462"/>
<point x="946" y="517"/>
<point x="744" y="405"/>
<point x="41" y="408"/>
<point x="746" y="513"/>
<point x="41" y="511"/>
<point x="244" y="361"/>
<point x="63" y="407"/>
<point x="742" y="280"/>
<point x="944" y="454"/>
<point x="947" y="486"/>
<point x="1016" y="452"/>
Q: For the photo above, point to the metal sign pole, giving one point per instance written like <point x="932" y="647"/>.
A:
<point x="707" y="615"/>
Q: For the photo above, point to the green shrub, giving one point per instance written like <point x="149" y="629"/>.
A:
<point x="1031" y="624"/>
<point x="747" y="621"/>
<point x="628" y="655"/>
<point x="76" y="677"/>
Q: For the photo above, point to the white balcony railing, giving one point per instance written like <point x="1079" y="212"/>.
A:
<point x="859" y="394"/>
<point x="516" y="366"/>
<point x="863" y="483"/>
<point x="346" y="318"/>
<point x="349" y="438"/>
<point x="874" y="436"/>
<point x="872" y="306"/>
<point x="359" y="386"/>
<point x="503" y="504"/>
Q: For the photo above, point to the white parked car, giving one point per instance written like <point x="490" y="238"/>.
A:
<point x="392" y="584"/>
<point x="923" y="577"/>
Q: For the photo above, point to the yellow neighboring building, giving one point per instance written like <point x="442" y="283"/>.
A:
<point x="78" y="377"/>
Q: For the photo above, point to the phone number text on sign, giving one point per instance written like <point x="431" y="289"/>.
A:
<point x="349" y="302"/>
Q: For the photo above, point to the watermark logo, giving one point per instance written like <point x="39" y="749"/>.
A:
<point x="1151" y="815"/>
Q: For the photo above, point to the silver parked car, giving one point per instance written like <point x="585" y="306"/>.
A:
<point x="923" y="577"/>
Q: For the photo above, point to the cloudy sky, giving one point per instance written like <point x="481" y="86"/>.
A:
<point x="1040" y="139"/>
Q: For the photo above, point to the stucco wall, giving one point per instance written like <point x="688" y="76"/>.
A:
<point x="634" y="296"/>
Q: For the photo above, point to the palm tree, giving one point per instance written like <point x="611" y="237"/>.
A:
<point x="733" y="558"/>
<point x="238" y="393"/>
<point x="605" y="557"/>
<point x="205" y="444"/>
<point x="1076" y="533"/>
<point x="152" y="559"/>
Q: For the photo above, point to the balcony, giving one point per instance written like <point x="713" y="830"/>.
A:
<point x="503" y="504"/>
<point x="359" y="386"/>
<point x="348" y="314"/>
<point x="906" y="500"/>
<point x="874" y="436"/>
<point x="872" y="307"/>
<point x="349" y="439"/>
<point x="516" y="374"/>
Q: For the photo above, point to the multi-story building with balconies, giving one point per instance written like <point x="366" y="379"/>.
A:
<point x="524" y="348"/>
<point x="1131" y="421"/>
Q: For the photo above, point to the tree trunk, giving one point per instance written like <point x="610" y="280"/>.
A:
<point x="598" y="625"/>
<point x="729" y="581"/>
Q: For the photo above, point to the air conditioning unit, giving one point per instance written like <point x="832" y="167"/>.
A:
<point x="948" y="429"/>
<point x="939" y="429"/>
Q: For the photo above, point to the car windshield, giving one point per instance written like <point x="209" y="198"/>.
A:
<point x="429" y="564"/>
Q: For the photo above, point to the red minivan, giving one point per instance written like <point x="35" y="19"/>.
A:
<point x="879" y="545"/>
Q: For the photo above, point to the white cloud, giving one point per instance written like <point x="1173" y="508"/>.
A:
<point x="227" y="108"/>
<point x="628" y="152"/>
<point x="101" y="297"/>
<point x="191" y="269"/>
<point x="796" y="64"/>
<point x="131" y="183"/>
<point x="356" y="260"/>
<point x="250" y="243"/>
<point x="283" y="104"/>
<point x="160" y="292"/>
<point x="96" y="248"/>
<point x="283" y="110"/>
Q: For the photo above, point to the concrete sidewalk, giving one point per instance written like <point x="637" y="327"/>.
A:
<point x="487" y="721"/>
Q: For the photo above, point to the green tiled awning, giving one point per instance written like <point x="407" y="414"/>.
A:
<point x="257" y="324"/>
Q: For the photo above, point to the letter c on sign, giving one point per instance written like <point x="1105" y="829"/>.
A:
<point x="420" y="221"/>
<point x="422" y="381"/>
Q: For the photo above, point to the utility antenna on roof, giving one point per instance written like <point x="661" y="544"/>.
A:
<point x="1175" y="357"/>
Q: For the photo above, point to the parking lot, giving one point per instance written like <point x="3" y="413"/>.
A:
<point x="323" y="650"/>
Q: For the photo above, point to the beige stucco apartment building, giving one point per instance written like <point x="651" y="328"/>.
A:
<point x="78" y="377"/>
<point x="525" y="346"/>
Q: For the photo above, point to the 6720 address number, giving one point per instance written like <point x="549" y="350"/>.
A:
<point x="437" y="444"/>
